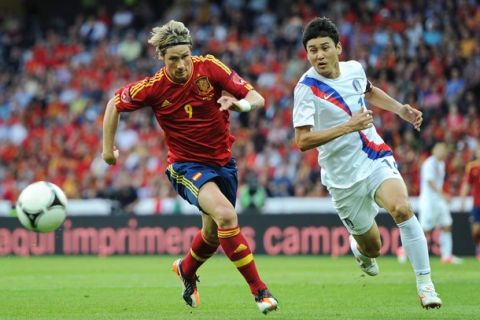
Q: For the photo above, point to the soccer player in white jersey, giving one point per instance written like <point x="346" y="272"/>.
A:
<point x="433" y="206"/>
<point x="358" y="168"/>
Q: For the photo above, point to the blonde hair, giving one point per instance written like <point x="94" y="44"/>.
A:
<point x="170" y="34"/>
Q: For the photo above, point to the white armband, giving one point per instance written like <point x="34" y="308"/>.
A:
<point x="244" y="105"/>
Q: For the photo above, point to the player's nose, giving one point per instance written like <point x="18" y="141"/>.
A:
<point x="319" y="55"/>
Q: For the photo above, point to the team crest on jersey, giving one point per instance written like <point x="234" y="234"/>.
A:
<point x="356" y="85"/>
<point x="203" y="85"/>
<point x="125" y="96"/>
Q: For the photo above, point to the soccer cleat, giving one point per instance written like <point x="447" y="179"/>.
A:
<point x="429" y="299"/>
<point x="369" y="266"/>
<point x="265" y="301"/>
<point x="190" y="293"/>
<point x="452" y="260"/>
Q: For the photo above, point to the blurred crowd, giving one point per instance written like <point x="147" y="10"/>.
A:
<point x="56" y="77"/>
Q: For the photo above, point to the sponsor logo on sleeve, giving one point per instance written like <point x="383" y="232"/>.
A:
<point x="238" y="80"/>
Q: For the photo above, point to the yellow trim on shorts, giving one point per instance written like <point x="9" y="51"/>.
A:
<point x="183" y="181"/>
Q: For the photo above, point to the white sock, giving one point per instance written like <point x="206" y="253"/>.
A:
<point x="446" y="244"/>
<point x="356" y="252"/>
<point x="424" y="279"/>
<point x="415" y="245"/>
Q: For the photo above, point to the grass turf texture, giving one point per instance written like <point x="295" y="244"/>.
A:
<point x="141" y="287"/>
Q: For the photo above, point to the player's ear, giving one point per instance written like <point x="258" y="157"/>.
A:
<point x="339" y="48"/>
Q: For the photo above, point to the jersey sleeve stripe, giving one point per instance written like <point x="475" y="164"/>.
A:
<point x="145" y="83"/>
<point x="219" y="63"/>
<point x="137" y="86"/>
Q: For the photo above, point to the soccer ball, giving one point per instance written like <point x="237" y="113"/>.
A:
<point x="42" y="207"/>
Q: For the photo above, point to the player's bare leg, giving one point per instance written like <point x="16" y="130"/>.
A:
<point x="236" y="248"/>
<point x="392" y="195"/>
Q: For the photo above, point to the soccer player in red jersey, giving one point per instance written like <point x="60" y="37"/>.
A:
<point x="187" y="98"/>
<point x="471" y="181"/>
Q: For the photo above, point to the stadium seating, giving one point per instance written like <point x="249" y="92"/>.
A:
<point x="55" y="82"/>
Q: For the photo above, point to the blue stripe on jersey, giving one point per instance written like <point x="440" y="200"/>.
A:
<point x="324" y="91"/>
<point x="374" y="151"/>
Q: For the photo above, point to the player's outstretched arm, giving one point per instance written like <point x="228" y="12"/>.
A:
<point x="307" y="139"/>
<point x="110" y="122"/>
<point x="379" y="98"/>
<point x="253" y="100"/>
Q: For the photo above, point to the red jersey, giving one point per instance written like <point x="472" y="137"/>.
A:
<point x="195" y="129"/>
<point x="472" y="177"/>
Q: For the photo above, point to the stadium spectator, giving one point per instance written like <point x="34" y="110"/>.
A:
<point x="252" y="195"/>
<point x="433" y="202"/>
<point x="358" y="168"/>
<point x="129" y="48"/>
<point x="124" y="195"/>
<point x="46" y="65"/>
<point x="471" y="182"/>
<point x="186" y="97"/>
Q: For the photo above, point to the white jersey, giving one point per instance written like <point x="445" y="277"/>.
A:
<point x="325" y="103"/>
<point x="432" y="170"/>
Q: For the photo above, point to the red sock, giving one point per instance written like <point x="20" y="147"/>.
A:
<point x="237" y="250"/>
<point x="200" y="251"/>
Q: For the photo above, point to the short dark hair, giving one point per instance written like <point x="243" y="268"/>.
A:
<point x="320" y="27"/>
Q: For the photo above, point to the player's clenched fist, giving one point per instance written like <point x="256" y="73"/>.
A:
<point x="361" y="120"/>
<point x="412" y="115"/>
<point x="110" y="157"/>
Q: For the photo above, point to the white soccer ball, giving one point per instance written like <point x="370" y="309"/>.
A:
<point x="42" y="207"/>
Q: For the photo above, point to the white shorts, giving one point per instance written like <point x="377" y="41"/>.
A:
<point x="356" y="205"/>
<point x="433" y="213"/>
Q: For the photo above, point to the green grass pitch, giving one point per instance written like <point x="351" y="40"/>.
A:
<point x="143" y="287"/>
